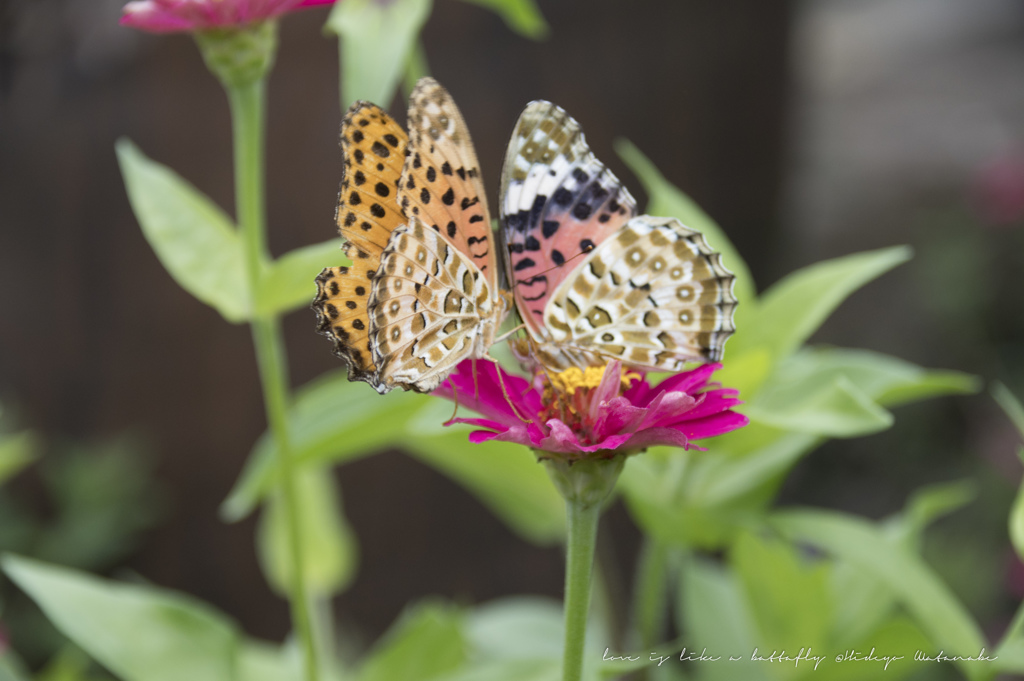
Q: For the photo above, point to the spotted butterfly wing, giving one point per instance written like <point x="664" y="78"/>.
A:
<point x="373" y="148"/>
<point x="431" y="309"/>
<point x="437" y="300"/>
<point x="591" y="281"/>
<point x="653" y="295"/>
<point x="557" y="202"/>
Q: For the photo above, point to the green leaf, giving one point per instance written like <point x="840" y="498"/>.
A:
<point x="330" y="551"/>
<point x="17" y="450"/>
<point x="665" y="199"/>
<point x="793" y="309"/>
<point x="260" y="661"/>
<point x="788" y="597"/>
<point x="937" y="611"/>
<point x="1016" y="522"/>
<point x="331" y="419"/>
<point x="884" y="379"/>
<point x="1010" y="404"/>
<point x="139" y="633"/>
<point x="427" y="642"/>
<point x="376" y="39"/>
<point x="896" y="637"/>
<point x="522" y="16"/>
<point x="416" y="67"/>
<point x="505" y="477"/>
<point x="722" y="477"/>
<point x="928" y="504"/>
<point x="520" y="627"/>
<point x="193" y="238"/>
<point x="13" y="669"/>
<point x="716" y="616"/>
<point x="508" y="670"/>
<point x="289" y="281"/>
<point x="836" y="409"/>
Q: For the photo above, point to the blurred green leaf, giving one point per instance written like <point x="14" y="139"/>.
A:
<point x="17" y="450"/>
<point x="426" y="643"/>
<point x="897" y="636"/>
<point x="522" y="16"/>
<point x="665" y="199"/>
<point x="416" y="67"/>
<point x="193" y="238"/>
<point x="1010" y="404"/>
<point x="721" y="477"/>
<point x="1017" y="523"/>
<point x="505" y="477"/>
<point x="836" y="408"/>
<point x="925" y="506"/>
<point x="863" y="601"/>
<point x="12" y="668"/>
<point x="376" y="39"/>
<point x="260" y="661"/>
<point x="885" y="379"/>
<point x="139" y="633"/>
<point x="912" y="582"/>
<point x="793" y="309"/>
<point x="508" y="670"/>
<point x="288" y="283"/>
<point x="715" y="615"/>
<point x="520" y="627"/>
<point x="330" y="551"/>
<point x="788" y="597"/>
<point x="331" y="419"/>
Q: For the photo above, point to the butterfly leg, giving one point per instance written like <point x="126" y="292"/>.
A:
<point x="455" y="396"/>
<point x="504" y="390"/>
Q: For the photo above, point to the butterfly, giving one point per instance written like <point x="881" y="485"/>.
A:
<point x="425" y="273"/>
<point x="373" y="148"/>
<point x="591" y="280"/>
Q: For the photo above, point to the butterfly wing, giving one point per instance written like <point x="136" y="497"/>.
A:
<point x="654" y="295"/>
<point x="431" y="307"/>
<point x="558" y="201"/>
<point x="373" y="147"/>
<point x="441" y="183"/>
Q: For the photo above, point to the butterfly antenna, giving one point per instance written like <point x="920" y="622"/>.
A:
<point x="508" y="334"/>
<point x="455" y="396"/>
<point x="504" y="391"/>
<point x="586" y="250"/>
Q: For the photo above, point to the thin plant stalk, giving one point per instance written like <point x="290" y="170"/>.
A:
<point x="248" y="104"/>
<point x="581" y="527"/>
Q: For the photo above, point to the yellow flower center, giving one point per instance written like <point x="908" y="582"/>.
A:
<point x="567" y="395"/>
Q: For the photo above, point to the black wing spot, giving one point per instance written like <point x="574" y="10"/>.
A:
<point x="549" y="228"/>
<point x="524" y="263"/>
<point x="380" y="149"/>
<point x="557" y="257"/>
<point x="449" y="197"/>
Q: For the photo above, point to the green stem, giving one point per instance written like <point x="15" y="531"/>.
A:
<point x="247" y="112"/>
<point x="581" y="526"/>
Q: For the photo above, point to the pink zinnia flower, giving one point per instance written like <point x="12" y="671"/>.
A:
<point x="169" y="16"/>
<point x="593" y="414"/>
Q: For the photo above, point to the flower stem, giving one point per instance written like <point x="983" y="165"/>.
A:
<point x="247" y="113"/>
<point x="581" y="526"/>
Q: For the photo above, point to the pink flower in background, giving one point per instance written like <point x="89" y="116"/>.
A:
<point x="597" y="412"/>
<point x="169" y="16"/>
<point x="999" y="189"/>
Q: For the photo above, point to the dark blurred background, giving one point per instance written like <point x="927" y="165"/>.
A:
<point x="808" y="130"/>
